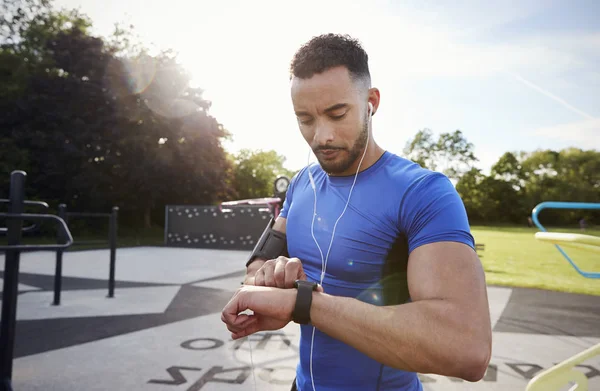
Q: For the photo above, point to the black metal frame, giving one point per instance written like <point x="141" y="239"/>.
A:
<point x="112" y="242"/>
<point x="14" y="230"/>
<point x="30" y="228"/>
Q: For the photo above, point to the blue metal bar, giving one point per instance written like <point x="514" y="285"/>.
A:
<point x="564" y="205"/>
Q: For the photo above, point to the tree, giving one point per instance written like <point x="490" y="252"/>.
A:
<point x="255" y="172"/>
<point x="99" y="124"/>
<point x="520" y="181"/>
<point x="169" y="146"/>
<point x="32" y="86"/>
<point x="450" y="153"/>
<point x="509" y="169"/>
<point x="472" y="193"/>
<point x="571" y="175"/>
<point x="488" y="199"/>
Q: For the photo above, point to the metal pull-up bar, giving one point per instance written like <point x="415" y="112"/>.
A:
<point x="14" y="230"/>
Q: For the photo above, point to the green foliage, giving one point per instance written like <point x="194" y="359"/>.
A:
<point x="450" y="154"/>
<point x="517" y="182"/>
<point x="489" y="199"/>
<point x="256" y="171"/>
<point x="96" y="125"/>
<point x="98" y="122"/>
<point x="520" y="181"/>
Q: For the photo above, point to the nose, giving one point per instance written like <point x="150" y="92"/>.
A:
<point x="324" y="133"/>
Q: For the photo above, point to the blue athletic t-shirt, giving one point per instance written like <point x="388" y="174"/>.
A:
<point x="395" y="207"/>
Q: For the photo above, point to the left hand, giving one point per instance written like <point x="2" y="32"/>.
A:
<point x="272" y="309"/>
<point x="280" y="273"/>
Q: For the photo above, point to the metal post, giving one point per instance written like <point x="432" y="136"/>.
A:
<point x="62" y="213"/>
<point x="11" y="279"/>
<point x="166" y="224"/>
<point x="113" y="251"/>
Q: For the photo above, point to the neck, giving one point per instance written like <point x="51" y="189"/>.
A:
<point x="372" y="154"/>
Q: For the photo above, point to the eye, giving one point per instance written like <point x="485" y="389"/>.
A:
<point x="337" y="117"/>
<point x="307" y="121"/>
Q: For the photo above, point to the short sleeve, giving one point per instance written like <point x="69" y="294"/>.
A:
<point x="432" y="211"/>
<point x="288" y="198"/>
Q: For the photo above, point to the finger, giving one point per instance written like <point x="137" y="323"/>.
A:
<point x="253" y="328"/>
<point x="293" y="272"/>
<point x="279" y="273"/>
<point x="269" y="273"/>
<point x="259" y="277"/>
<point x="241" y="319"/>
<point x="232" y="308"/>
<point x="234" y="322"/>
<point x="241" y="323"/>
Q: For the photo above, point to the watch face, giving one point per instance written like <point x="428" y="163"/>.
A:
<point x="281" y="184"/>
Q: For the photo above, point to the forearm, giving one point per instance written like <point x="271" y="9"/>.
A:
<point x="429" y="336"/>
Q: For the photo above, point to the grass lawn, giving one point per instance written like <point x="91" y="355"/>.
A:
<point x="513" y="257"/>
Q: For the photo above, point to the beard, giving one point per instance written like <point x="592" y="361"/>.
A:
<point x="347" y="156"/>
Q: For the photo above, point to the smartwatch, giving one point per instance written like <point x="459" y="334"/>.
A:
<point x="301" y="313"/>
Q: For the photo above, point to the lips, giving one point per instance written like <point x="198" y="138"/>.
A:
<point x="329" y="153"/>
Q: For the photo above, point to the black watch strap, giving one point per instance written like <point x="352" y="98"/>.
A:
<point x="301" y="313"/>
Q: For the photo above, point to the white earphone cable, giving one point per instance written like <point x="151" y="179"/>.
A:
<point x="252" y="363"/>
<point x="324" y="261"/>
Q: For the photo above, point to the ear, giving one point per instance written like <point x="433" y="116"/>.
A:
<point x="374" y="99"/>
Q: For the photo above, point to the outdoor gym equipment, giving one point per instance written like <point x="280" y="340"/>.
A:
<point x="560" y="375"/>
<point x="587" y="242"/>
<point x="112" y="243"/>
<point x="231" y="225"/>
<point x="14" y="230"/>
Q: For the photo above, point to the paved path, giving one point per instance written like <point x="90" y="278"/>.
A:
<point x="162" y="331"/>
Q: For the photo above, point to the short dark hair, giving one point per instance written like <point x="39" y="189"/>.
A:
<point x="328" y="51"/>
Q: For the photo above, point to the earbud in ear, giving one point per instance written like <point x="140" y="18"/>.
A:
<point x="370" y="108"/>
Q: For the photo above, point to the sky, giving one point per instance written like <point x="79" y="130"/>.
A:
<point x="512" y="76"/>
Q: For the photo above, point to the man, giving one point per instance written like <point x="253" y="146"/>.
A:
<point x="389" y="282"/>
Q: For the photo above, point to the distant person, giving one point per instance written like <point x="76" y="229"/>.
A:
<point x="371" y="254"/>
<point x="529" y="221"/>
<point x="582" y="224"/>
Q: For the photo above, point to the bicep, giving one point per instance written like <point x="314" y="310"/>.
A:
<point x="447" y="271"/>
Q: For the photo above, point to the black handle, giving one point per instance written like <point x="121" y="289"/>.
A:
<point x="39" y="247"/>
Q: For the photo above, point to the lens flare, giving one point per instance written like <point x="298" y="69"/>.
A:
<point x="140" y="73"/>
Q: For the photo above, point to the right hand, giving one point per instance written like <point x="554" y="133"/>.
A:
<point x="280" y="273"/>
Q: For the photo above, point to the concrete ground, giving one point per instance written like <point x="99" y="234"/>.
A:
<point x="162" y="330"/>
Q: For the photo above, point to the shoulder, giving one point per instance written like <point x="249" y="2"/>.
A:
<point x="406" y="175"/>
<point x="300" y="178"/>
<point x="301" y="175"/>
<point x="430" y="209"/>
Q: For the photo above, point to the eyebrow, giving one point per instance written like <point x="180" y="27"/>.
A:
<point x="327" y="110"/>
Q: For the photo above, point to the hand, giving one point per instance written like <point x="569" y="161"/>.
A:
<point x="280" y="273"/>
<point x="272" y="309"/>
